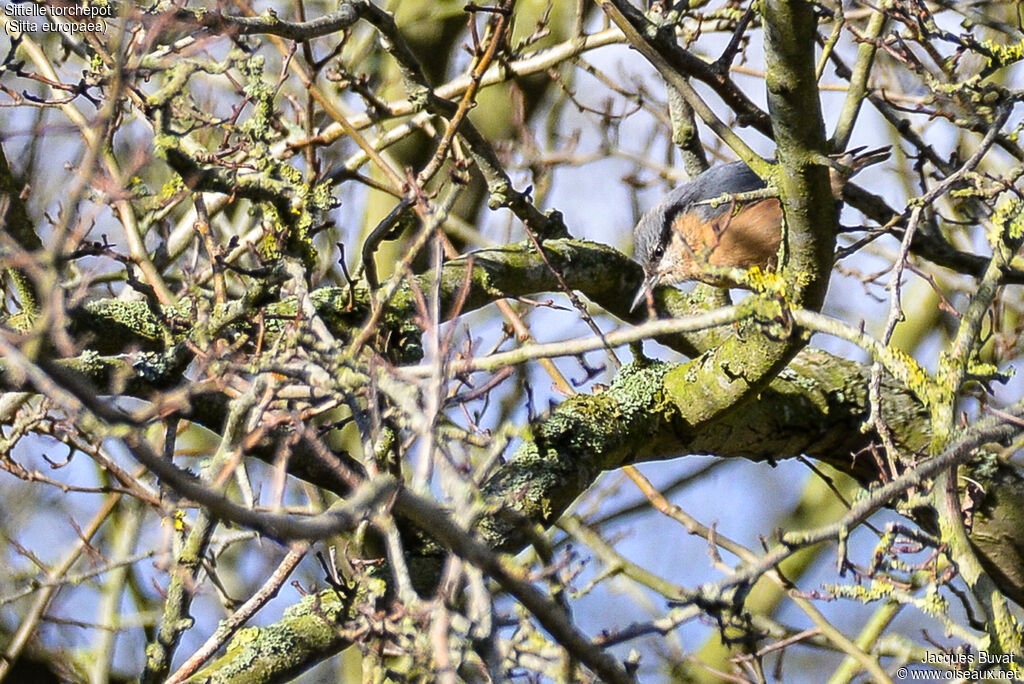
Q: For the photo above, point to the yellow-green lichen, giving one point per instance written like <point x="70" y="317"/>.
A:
<point x="1002" y="55"/>
<point x="1007" y="222"/>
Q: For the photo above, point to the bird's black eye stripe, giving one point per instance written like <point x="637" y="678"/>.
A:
<point x="666" y="231"/>
<point x="666" y="224"/>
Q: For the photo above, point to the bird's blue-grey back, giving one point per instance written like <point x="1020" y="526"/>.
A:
<point x="691" y="198"/>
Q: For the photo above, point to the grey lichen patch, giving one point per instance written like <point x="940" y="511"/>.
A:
<point x="583" y="428"/>
<point x="154" y="367"/>
<point x="253" y="645"/>
<point x="116" y="325"/>
<point x="131" y="314"/>
<point x="639" y="392"/>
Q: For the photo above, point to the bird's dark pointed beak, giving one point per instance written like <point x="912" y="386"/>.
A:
<point x="641" y="294"/>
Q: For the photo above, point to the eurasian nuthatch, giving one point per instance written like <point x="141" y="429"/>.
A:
<point x="687" y="232"/>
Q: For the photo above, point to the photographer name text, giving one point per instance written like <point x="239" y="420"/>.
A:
<point x="979" y="658"/>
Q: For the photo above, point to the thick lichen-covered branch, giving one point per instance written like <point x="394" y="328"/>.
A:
<point x="814" y="407"/>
